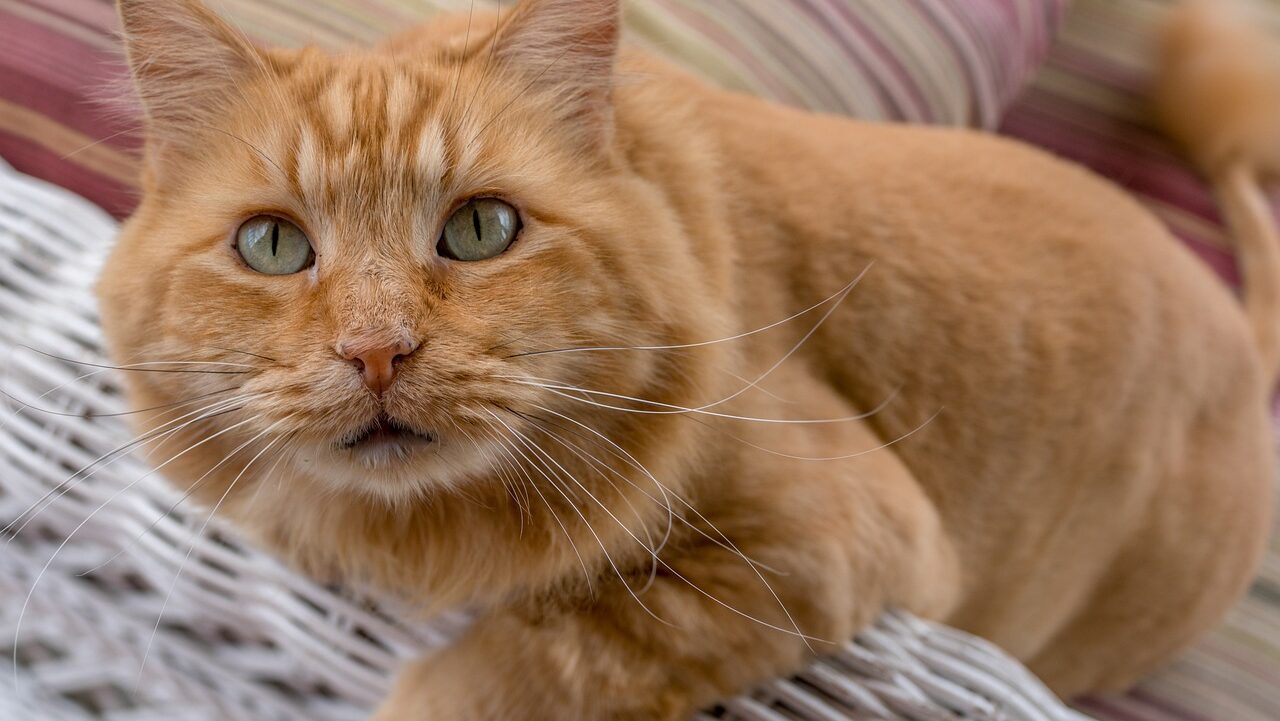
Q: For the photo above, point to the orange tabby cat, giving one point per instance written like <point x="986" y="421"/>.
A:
<point x="489" y="320"/>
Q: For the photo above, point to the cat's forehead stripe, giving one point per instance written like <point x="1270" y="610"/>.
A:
<point x="337" y="107"/>
<point x="311" y="172"/>
<point x="361" y="126"/>
<point x="431" y="156"/>
<point x="402" y="98"/>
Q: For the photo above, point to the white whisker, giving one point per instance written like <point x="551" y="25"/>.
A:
<point x="508" y="447"/>
<point x="27" y="602"/>
<point x="76" y="478"/>
<point x="702" y="344"/>
<point x="539" y="451"/>
<point x="566" y="391"/>
<point x="845" y="457"/>
<point x="185" y="496"/>
<point x="796" y="632"/>
<point x="623" y="454"/>
<point x="726" y="543"/>
<point x="199" y="532"/>
<point x="603" y="470"/>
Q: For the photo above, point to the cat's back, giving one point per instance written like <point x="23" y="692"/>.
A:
<point x="906" y="189"/>
<point x="1074" y="368"/>
<point x="956" y="221"/>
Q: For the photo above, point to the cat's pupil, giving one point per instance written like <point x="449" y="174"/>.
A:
<point x="275" y="238"/>
<point x="475" y="222"/>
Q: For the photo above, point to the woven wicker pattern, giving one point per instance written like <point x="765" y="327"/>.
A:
<point x="240" y="637"/>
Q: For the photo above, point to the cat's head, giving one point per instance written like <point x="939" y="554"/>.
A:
<point x="352" y="265"/>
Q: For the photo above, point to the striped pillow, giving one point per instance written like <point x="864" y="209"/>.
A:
<point x="939" y="61"/>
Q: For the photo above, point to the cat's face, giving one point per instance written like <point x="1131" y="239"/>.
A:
<point x="372" y="249"/>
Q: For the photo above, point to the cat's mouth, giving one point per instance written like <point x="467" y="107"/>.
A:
<point x="384" y="431"/>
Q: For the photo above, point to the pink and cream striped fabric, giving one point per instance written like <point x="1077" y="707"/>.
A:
<point x="941" y="61"/>
<point x="957" y="62"/>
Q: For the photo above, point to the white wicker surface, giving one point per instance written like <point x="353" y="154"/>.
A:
<point x="242" y="637"/>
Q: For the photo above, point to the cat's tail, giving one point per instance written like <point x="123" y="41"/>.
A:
<point x="1218" y="93"/>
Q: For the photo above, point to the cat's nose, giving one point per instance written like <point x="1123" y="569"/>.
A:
<point x="377" y="363"/>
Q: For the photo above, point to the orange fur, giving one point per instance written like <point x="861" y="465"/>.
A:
<point x="1218" y="93"/>
<point x="1066" y="445"/>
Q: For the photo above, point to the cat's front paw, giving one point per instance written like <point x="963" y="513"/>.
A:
<point x="505" y="670"/>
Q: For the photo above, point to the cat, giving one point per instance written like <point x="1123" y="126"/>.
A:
<point x="679" y="386"/>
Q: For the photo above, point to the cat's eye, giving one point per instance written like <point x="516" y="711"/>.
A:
<point x="274" y="246"/>
<point x="481" y="229"/>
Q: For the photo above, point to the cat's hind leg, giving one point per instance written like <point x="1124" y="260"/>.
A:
<point x="1180" y="572"/>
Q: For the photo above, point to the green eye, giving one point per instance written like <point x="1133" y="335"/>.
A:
<point x="481" y="229"/>
<point x="273" y="245"/>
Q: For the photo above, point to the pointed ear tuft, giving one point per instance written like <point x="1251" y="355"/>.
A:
<point x="567" y="48"/>
<point x="186" y="62"/>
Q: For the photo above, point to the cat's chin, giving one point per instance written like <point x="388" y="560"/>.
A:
<point x="386" y="452"/>
<point x="392" y="466"/>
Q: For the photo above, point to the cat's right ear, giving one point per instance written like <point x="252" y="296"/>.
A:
<point x="567" y="48"/>
<point x="186" y="63"/>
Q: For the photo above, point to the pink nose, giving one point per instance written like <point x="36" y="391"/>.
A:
<point x="378" y="363"/>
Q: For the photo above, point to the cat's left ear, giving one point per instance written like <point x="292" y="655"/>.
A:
<point x="567" y="48"/>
